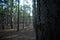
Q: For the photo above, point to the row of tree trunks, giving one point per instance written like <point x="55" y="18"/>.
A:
<point x="48" y="13"/>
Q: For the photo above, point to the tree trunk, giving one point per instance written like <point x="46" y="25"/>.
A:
<point x="18" y="18"/>
<point x="11" y="13"/>
<point x="47" y="25"/>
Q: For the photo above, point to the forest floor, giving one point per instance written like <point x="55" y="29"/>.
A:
<point x="23" y="34"/>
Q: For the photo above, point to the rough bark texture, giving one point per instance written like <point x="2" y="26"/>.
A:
<point x="47" y="25"/>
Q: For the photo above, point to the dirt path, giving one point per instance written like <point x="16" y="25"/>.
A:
<point x="26" y="34"/>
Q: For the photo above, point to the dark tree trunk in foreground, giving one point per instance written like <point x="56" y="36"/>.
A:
<point x="46" y="19"/>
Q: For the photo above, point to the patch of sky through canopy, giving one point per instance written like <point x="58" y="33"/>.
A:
<point x="27" y="2"/>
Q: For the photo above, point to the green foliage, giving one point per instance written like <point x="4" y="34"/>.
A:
<point x="24" y="11"/>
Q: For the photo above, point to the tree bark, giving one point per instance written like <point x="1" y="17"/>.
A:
<point x="47" y="25"/>
<point x="18" y="18"/>
<point x="11" y="13"/>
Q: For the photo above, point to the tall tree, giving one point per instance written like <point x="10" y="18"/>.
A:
<point x="47" y="28"/>
<point x="11" y="3"/>
<point x="18" y="17"/>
